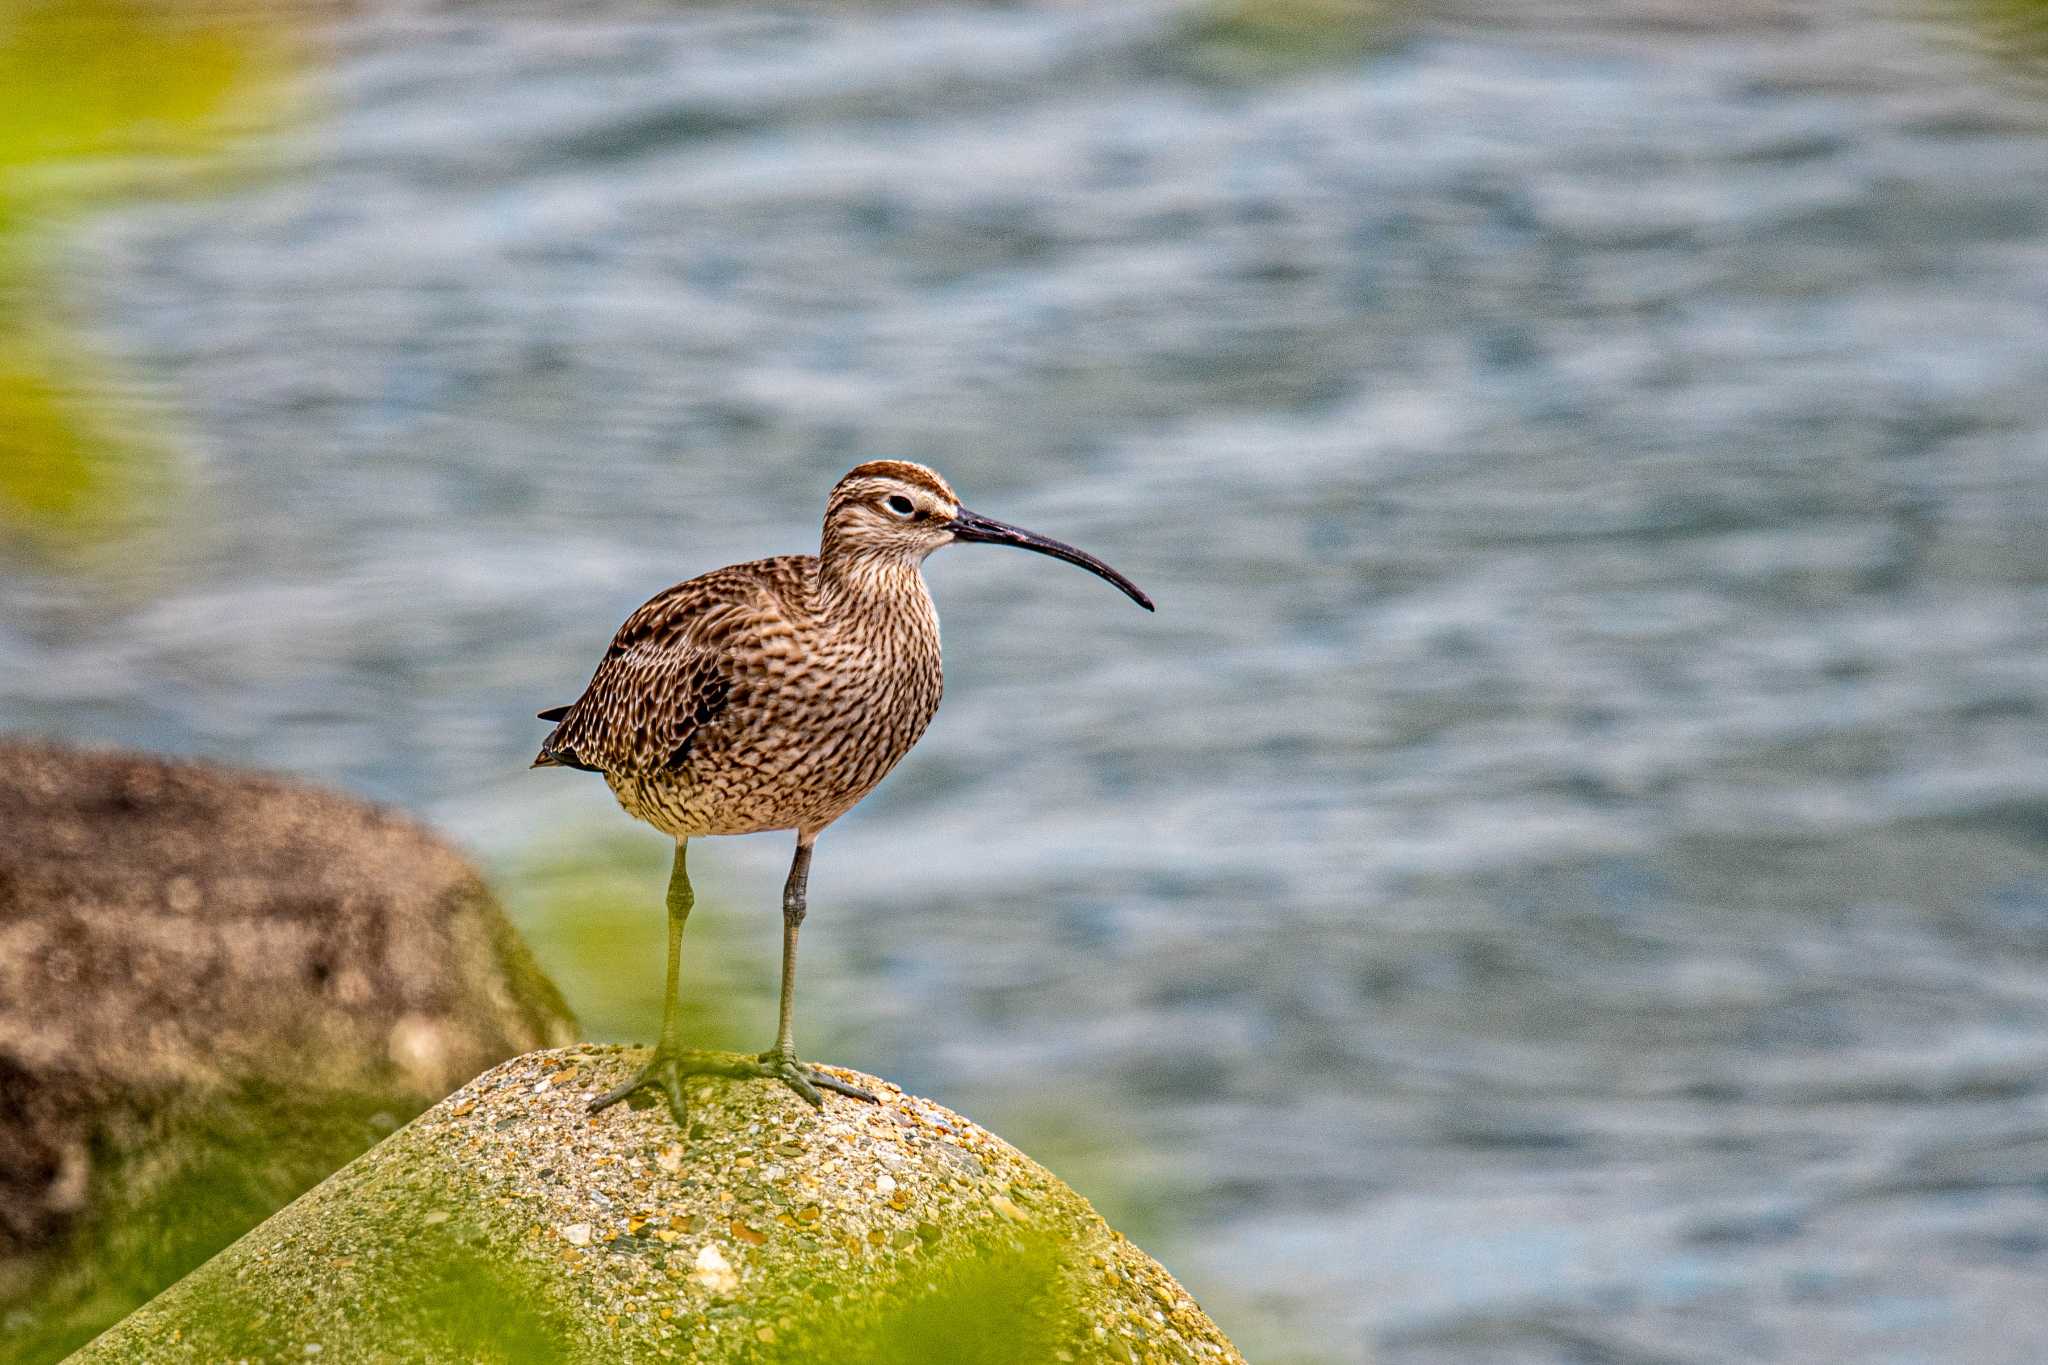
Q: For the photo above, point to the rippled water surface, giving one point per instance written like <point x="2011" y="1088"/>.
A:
<point x="1564" y="876"/>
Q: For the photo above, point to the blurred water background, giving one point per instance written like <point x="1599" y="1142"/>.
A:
<point x="1565" y="874"/>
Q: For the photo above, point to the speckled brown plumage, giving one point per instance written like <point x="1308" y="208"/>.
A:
<point x="775" y="695"/>
<point x="770" y="695"/>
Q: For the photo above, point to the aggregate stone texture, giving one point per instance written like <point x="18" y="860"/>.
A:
<point x="767" y="1231"/>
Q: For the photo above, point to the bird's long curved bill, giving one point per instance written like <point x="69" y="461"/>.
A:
<point x="972" y="526"/>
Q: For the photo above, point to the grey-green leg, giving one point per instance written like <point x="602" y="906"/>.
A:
<point x="780" y="1061"/>
<point x="672" y="1063"/>
<point x="666" y="1069"/>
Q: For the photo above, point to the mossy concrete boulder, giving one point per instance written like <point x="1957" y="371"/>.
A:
<point x="508" y="1224"/>
<point x="216" y="987"/>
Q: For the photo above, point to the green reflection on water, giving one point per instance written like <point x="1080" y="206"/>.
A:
<point x="1251" y="39"/>
<point x="593" y="913"/>
<point x="100" y="100"/>
<point x="2013" y="32"/>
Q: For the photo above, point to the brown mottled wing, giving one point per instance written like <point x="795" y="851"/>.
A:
<point x="665" y="678"/>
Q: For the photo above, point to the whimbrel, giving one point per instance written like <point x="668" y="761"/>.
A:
<point x="774" y="696"/>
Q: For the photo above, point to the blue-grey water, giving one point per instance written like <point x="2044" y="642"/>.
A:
<point x="1563" y="877"/>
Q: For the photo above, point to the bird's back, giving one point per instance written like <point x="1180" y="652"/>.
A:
<point x="742" y="700"/>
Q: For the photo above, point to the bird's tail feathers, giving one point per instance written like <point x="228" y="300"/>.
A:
<point x="553" y="753"/>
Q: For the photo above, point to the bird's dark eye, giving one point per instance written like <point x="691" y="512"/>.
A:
<point x="901" y="505"/>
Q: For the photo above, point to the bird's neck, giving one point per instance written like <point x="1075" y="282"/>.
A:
<point x="877" y="589"/>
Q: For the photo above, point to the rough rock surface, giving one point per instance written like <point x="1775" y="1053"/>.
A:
<point x="508" y="1224"/>
<point x="215" y="988"/>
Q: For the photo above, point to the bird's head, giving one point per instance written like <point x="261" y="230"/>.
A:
<point x="893" y="510"/>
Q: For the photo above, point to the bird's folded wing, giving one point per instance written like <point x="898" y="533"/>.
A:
<point x="666" y="677"/>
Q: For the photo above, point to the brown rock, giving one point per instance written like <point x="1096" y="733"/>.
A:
<point x="223" y="977"/>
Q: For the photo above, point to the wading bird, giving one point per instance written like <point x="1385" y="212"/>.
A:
<point x="775" y="695"/>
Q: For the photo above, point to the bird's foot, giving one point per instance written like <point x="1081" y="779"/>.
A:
<point x="665" y="1072"/>
<point x="667" y="1069"/>
<point x="781" y="1065"/>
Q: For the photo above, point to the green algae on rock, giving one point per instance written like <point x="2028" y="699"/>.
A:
<point x="507" y="1224"/>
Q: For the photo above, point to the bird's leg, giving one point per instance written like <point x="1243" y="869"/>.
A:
<point x="666" y="1069"/>
<point x="780" y="1061"/>
<point x="672" y="1063"/>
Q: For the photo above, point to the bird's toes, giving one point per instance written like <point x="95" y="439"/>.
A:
<point x="786" y="1068"/>
<point x="664" y="1075"/>
<point x="797" y="1079"/>
<point x="612" y="1097"/>
<point x="671" y="1086"/>
<point x="826" y="1081"/>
